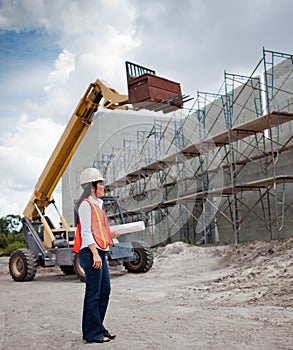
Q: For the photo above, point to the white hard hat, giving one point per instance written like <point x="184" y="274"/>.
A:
<point x="90" y="175"/>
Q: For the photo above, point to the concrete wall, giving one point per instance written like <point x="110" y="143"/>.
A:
<point x="281" y="100"/>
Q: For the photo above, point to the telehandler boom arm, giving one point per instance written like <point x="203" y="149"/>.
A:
<point x="69" y="141"/>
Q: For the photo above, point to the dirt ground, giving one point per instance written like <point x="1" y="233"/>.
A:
<point x="192" y="298"/>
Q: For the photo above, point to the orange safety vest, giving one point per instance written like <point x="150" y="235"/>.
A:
<point x="100" y="229"/>
<point x="77" y="239"/>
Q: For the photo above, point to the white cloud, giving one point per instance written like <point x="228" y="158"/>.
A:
<point x="23" y="155"/>
<point x="93" y="45"/>
<point x="64" y="65"/>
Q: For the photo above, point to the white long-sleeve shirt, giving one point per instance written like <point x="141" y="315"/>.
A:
<point x="85" y="218"/>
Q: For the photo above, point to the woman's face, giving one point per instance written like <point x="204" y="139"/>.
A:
<point x="99" y="191"/>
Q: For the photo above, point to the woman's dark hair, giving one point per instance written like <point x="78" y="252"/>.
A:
<point x="95" y="184"/>
<point x="86" y="192"/>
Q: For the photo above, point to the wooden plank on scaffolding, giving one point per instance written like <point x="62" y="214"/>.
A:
<point x="251" y="127"/>
<point x="254" y="185"/>
<point x="138" y="174"/>
<point x="218" y="192"/>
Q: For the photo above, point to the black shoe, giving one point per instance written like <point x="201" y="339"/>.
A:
<point x="101" y="340"/>
<point x="111" y="336"/>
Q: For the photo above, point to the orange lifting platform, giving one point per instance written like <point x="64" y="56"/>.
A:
<point x="146" y="90"/>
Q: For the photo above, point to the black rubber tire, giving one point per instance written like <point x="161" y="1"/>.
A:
<point x="22" y="265"/>
<point x="78" y="269"/>
<point x="144" y="260"/>
<point x="68" y="270"/>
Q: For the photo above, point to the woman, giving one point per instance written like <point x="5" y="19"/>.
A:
<point x="96" y="239"/>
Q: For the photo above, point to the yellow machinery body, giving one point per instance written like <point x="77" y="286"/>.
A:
<point x="64" y="150"/>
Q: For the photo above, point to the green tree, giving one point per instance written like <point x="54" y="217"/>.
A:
<point x="11" y="234"/>
<point x="10" y="224"/>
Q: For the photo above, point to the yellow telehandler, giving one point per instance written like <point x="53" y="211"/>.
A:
<point x="48" y="246"/>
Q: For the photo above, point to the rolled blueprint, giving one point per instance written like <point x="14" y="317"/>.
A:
<point x="128" y="228"/>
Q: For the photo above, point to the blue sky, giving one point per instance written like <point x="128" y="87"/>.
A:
<point x="23" y="55"/>
<point x="29" y="47"/>
<point x="50" y="50"/>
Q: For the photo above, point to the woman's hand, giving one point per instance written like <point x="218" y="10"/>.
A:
<point x="114" y="234"/>
<point x="97" y="261"/>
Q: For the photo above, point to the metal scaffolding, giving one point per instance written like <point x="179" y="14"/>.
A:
<point x="227" y="161"/>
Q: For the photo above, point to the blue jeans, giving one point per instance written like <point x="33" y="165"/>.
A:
<point x="96" y="299"/>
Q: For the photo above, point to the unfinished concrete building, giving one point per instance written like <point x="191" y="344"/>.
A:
<point x="219" y="172"/>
